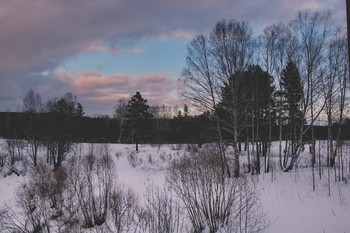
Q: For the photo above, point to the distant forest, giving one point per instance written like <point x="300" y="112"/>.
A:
<point x="189" y="129"/>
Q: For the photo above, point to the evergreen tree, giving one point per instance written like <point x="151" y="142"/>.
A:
<point x="248" y="94"/>
<point x="186" y="110"/>
<point x="67" y="105"/>
<point x="138" y="119"/>
<point x="292" y="94"/>
<point x="254" y="95"/>
<point x="292" y="89"/>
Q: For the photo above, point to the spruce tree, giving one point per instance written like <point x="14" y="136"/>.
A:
<point x="292" y="94"/>
<point x="138" y="122"/>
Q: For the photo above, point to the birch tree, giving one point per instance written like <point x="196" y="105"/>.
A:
<point x="278" y="46"/>
<point x="211" y="62"/>
<point x="201" y="86"/>
<point x="335" y="92"/>
<point x="233" y="51"/>
<point x="313" y="31"/>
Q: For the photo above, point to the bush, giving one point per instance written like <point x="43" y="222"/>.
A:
<point x="123" y="207"/>
<point x="132" y="158"/>
<point x="163" y="212"/>
<point x="211" y="200"/>
<point x="66" y="199"/>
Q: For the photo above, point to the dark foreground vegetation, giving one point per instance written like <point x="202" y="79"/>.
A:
<point x="83" y="195"/>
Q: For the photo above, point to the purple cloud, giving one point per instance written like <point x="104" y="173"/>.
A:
<point x="40" y="33"/>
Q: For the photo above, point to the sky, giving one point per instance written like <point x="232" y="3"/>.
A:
<point x="104" y="50"/>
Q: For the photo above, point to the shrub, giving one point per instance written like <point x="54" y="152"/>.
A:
<point x="211" y="200"/>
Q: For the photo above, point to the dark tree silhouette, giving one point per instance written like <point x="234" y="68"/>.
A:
<point x="60" y="129"/>
<point x="137" y="121"/>
<point x="253" y="103"/>
<point x="68" y="105"/>
<point x="32" y="105"/>
<point x="292" y="94"/>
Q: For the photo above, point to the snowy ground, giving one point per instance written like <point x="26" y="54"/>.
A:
<point x="292" y="206"/>
<point x="287" y="198"/>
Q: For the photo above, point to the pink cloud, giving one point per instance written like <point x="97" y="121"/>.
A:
<point x="135" y="51"/>
<point x="87" y="81"/>
<point x="98" y="93"/>
<point x="94" y="86"/>
<point x="153" y="78"/>
<point x="98" y="48"/>
<point x="103" y="99"/>
<point x="95" y="48"/>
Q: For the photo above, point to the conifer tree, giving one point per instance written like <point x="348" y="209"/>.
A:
<point x="138" y="119"/>
<point x="292" y="94"/>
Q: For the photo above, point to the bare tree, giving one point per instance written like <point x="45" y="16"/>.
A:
<point x="161" y="111"/>
<point x="32" y="102"/>
<point x="119" y="111"/>
<point x="312" y="31"/>
<point x="32" y="105"/>
<point x="201" y="86"/>
<point x="211" y="63"/>
<point x="277" y="47"/>
<point x="334" y="95"/>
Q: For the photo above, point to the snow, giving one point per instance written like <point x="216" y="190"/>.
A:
<point x="292" y="206"/>
<point x="287" y="198"/>
<point x="8" y="187"/>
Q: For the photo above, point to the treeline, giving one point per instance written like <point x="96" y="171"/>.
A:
<point x="23" y="125"/>
<point x="103" y="129"/>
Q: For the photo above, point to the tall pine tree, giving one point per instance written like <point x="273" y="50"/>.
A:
<point x="292" y="93"/>
<point x="138" y="124"/>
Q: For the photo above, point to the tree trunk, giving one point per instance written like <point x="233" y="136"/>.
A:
<point x="236" y="154"/>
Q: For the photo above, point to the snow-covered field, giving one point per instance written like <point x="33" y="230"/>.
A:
<point x="287" y="198"/>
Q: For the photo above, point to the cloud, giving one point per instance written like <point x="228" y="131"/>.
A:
<point x="98" y="93"/>
<point x="95" y="89"/>
<point x="38" y="36"/>
<point x="85" y="81"/>
<point x="97" y="48"/>
<point x="135" y="51"/>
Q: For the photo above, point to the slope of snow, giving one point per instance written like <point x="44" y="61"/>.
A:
<point x="287" y="198"/>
